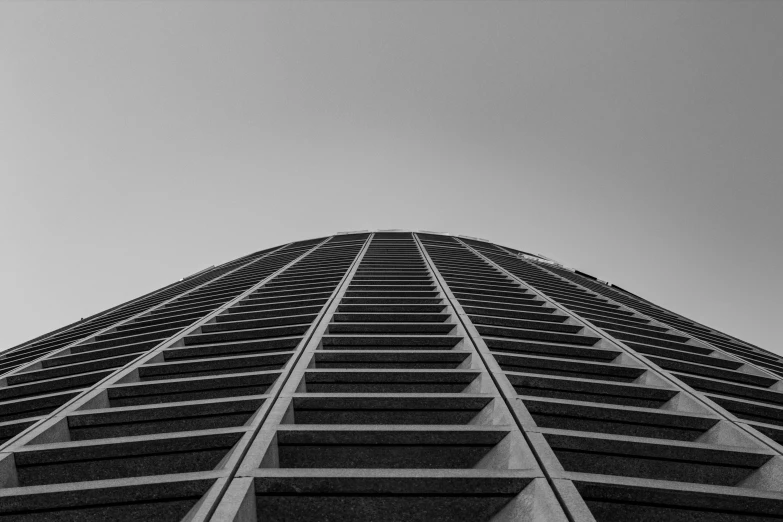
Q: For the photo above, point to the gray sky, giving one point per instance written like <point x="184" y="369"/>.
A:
<point x="639" y="142"/>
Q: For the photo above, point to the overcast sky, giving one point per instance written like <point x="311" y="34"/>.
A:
<point x="639" y="142"/>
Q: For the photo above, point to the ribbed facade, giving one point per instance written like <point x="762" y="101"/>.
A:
<point x="390" y="376"/>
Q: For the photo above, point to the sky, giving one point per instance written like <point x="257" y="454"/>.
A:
<point x="640" y="142"/>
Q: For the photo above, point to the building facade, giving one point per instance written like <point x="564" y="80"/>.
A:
<point x="390" y="376"/>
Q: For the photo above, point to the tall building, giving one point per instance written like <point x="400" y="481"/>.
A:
<point x="390" y="376"/>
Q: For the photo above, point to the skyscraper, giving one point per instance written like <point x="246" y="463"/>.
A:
<point x="390" y="376"/>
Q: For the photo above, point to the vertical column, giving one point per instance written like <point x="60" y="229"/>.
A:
<point x="390" y="415"/>
<point x="620" y="435"/>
